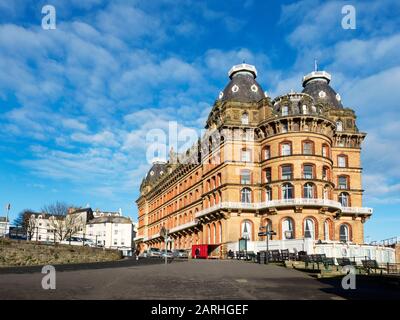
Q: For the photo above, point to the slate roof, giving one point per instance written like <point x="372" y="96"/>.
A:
<point x="322" y="92"/>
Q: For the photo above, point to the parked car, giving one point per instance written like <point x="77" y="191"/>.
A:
<point x="180" y="253"/>
<point x="77" y="241"/>
<point x="149" y="253"/>
<point x="169" y="254"/>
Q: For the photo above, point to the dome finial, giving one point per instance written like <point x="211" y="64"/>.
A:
<point x="243" y="68"/>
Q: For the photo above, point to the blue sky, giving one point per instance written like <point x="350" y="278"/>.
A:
<point x="76" y="102"/>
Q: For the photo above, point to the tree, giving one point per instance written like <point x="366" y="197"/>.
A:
<point x="25" y="221"/>
<point x="63" y="223"/>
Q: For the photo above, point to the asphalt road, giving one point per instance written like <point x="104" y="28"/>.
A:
<point x="193" y="279"/>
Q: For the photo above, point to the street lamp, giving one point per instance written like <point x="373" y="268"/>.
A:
<point x="267" y="233"/>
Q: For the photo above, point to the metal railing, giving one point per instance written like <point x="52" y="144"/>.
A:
<point x="284" y="202"/>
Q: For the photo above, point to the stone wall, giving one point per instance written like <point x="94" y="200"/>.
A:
<point x="26" y="253"/>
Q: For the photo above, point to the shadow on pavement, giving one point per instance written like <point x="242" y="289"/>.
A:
<point x="367" y="288"/>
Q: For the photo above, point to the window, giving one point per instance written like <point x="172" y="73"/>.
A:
<point x="115" y="231"/>
<point x="286" y="172"/>
<point x="309" y="191"/>
<point x="287" y="229"/>
<point x="305" y="109"/>
<point x="247" y="230"/>
<point x="268" y="194"/>
<point x="325" y="151"/>
<point x="309" y="229"/>
<point x="342" y="161"/>
<point x="245" y="155"/>
<point x="268" y="228"/>
<point x="308" y="171"/>
<point x="325" y="173"/>
<point x="285" y="110"/>
<point x="342" y="182"/>
<point x="339" y="125"/>
<point x="287" y="191"/>
<point x="308" y="147"/>
<point x="267" y="152"/>
<point x="344" y="199"/>
<point x="326" y="230"/>
<point x="326" y="192"/>
<point x="245" y="118"/>
<point x="284" y="127"/>
<point x="245" y="177"/>
<point x="245" y="195"/>
<point x="268" y="175"/>
<point x="286" y="149"/>
<point x="115" y="242"/>
<point x="344" y="233"/>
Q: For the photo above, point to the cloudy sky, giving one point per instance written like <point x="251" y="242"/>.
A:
<point x="76" y="102"/>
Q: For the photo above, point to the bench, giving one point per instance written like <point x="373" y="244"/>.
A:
<point x="345" y="262"/>
<point x="371" y="265"/>
<point x="285" y="254"/>
<point x="276" y="256"/>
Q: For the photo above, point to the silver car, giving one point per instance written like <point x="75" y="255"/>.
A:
<point x="168" y="254"/>
<point x="152" y="252"/>
<point x="180" y="253"/>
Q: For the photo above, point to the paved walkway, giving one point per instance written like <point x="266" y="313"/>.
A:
<point x="193" y="279"/>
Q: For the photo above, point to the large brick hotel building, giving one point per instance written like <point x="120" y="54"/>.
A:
<point x="291" y="163"/>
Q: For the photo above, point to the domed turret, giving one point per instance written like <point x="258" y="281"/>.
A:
<point x="243" y="87"/>
<point x="316" y="84"/>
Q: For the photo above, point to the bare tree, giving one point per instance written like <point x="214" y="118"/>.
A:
<point x="63" y="223"/>
<point x="26" y="222"/>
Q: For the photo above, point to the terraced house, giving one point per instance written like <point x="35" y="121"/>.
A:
<point x="291" y="164"/>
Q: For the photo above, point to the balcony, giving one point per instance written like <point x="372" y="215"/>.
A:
<point x="183" y="226"/>
<point x="285" y="203"/>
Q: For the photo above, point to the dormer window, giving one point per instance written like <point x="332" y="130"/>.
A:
<point x="285" y="110"/>
<point x="245" y="118"/>
<point x="339" y="125"/>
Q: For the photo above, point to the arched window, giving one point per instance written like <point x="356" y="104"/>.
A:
<point x="267" y="152"/>
<point x="245" y="118"/>
<point x="245" y="177"/>
<point x="214" y="233"/>
<point x="268" y="175"/>
<point x="287" y="191"/>
<point x="308" y="147"/>
<point x="342" y="161"/>
<point x="220" y="232"/>
<point x="304" y="109"/>
<point x="286" y="172"/>
<point x="326" y="192"/>
<point x="309" y="190"/>
<point x="245" y="155"/>
<point x="285" y="110"/>
<point x="268" y="194"/>
<point x="287" y="229"/>
<point x="286" y="149"/>
<point x="344" y="199"/>
<point x="339" y="125"/>
<point x="344" y="233"/>
<point x="309" y="228"/>
<point x="245" y="195"/>
<point x="325" y="151"/>
<point x="308" y="171"/>
<point x="327" y="227"/>
<point x="343" y="182"/>
<point x="247" y="230"/>
<point x="268" y="224"/>
<point x="209" y="234"/>
<point x="325" y="173"/>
